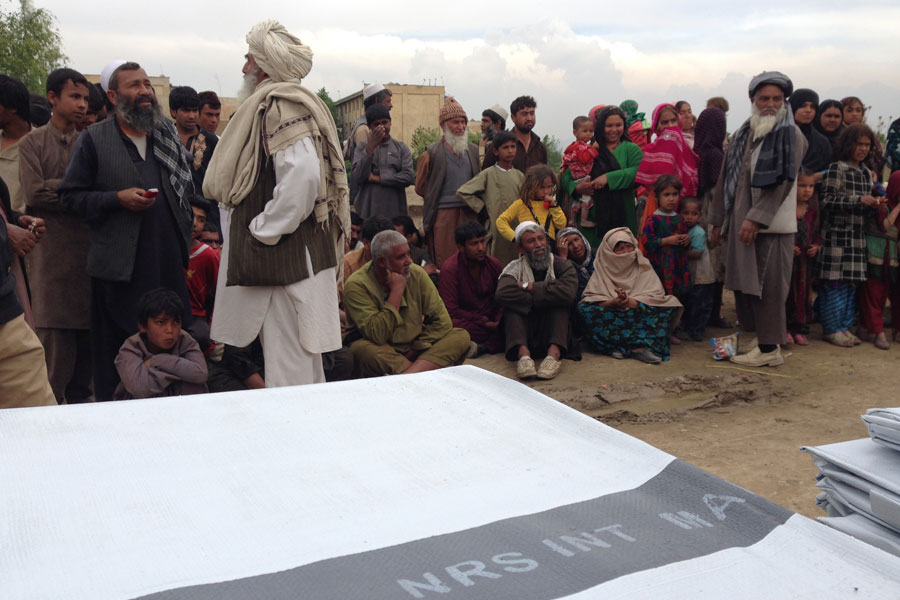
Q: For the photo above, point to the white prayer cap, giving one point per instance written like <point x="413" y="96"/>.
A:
<point x="371" y="89"/>
<point x="500" y="111"/>
<point x="526" y="226"/>
<point x="107" y="72"/>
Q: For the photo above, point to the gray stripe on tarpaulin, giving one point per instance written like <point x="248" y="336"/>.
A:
<point x="680" y="514"/>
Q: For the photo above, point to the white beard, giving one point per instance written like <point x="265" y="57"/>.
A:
<point x="457" y="143"/>
<point x="248" y="86"/>
<point x="763" y="125"/>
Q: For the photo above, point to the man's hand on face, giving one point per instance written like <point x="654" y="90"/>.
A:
<point x="133" y="199"/>
<point x="396" y="282"/>
<point x="376" y="137"/>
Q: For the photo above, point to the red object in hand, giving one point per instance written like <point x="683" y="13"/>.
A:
<point x="151" y="193"/>
<point x="546" y="205"/>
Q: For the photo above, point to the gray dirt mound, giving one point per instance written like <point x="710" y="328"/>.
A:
<point x="671" y="398"/>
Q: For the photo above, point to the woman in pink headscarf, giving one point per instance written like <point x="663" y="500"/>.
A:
<point x="668" y="154"/>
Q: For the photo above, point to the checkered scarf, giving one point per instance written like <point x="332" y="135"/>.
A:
<point x="168" y="150"/>
<point x="774" y="165"/>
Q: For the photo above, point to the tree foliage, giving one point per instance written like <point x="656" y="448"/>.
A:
<point x="422" y="138"/>
<point x="326" y="98"/>
<point x="30" y="45"/>
<point x="554" y="152"/>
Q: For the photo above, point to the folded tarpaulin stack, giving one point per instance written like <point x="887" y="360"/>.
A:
<point x="860" y="482"/>
<point x="884" y="426"/>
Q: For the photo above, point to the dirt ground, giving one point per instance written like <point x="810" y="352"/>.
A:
<point x="744" y="425"/>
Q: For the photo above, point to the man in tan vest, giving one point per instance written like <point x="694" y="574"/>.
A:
<point x="279" y="173"/>
<point x="443" y="167"/>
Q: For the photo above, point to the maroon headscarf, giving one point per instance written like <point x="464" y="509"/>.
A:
<point x="709" y="135"/>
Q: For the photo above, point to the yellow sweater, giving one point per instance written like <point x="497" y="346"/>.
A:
<point x="518" y="213"/>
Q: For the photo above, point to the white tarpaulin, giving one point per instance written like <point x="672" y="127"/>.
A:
<point x="884" y="426"/>
<point x="456" y="484"/>
<point x="860" y="480"/>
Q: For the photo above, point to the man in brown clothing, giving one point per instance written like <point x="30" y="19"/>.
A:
<point x="530" y="150"/>
<point x="60" y="286"/>
<point x="443" y="167"/>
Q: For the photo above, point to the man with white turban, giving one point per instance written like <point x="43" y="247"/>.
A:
<point x="756" y="200"/>
<point x="279" y="173"/>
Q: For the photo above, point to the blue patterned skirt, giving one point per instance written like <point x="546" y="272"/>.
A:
<point x="612" y="330"/>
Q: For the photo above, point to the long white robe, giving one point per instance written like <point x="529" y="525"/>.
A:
<point x="297" y="322"/>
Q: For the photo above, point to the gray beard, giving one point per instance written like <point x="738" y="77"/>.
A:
<point x="490" y="133"/>
<point x="457" y="143"/>
<point x="540" y="263"/>
<point x="760" y="125"/>
<point x="144" y="121"/>
<point x="248" y="86"/>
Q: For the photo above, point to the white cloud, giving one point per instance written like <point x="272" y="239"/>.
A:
<point x="651" y="51"/>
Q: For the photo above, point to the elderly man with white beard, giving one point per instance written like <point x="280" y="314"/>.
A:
<point x="754" y="205"/>
<point x="537" y="292"/>
<point x="442" y="168"/>
<point x="279" y="172"/>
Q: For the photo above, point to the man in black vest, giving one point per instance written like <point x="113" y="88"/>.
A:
<point x="139" y="241"/>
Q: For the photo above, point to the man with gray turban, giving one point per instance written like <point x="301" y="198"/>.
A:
<point x="754" y="205"/>
<point x="537" y="292"/>
<point x="279" y="173"/>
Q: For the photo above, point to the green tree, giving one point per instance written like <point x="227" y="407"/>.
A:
<point x="421" y="139"/>
<point x="30" y="45"/>
<point x="554" y="152"/>
<point x="474" y="137"/>
<point x="326" y="98"/>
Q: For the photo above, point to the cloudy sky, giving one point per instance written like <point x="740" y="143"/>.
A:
<point x="569" y="55"/>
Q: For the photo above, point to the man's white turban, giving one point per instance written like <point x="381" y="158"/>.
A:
<point x="281" y="55"/>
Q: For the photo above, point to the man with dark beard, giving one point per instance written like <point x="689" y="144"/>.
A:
<point x="755" y="200"/>
<point x="129" y="179"/>
<point x="530" y="150"/>
<point x="536" y="291"/>
<point x="442" y="168"/>
<point x="493" y="120"/>
<point x="279" y="172"/>
<point x="398" y="322"/>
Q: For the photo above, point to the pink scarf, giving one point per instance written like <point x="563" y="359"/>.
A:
<point x="668" y="154"/>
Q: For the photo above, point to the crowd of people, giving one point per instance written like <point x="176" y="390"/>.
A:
<point x="144" y="256"/>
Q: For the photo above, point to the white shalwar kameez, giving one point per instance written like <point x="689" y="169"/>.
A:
<point x="297" y="322"/>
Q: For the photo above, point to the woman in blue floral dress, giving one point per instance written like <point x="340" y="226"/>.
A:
<point x="625" y="311"/>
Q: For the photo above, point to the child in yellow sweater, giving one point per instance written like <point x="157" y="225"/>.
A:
<point x="540" y="189"/>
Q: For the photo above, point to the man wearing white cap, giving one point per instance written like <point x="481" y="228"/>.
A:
<point x="374" y="93"/>
<point x="279" y="169"/>
<point x="493" y="119"/>
<point x="537" y="292"/>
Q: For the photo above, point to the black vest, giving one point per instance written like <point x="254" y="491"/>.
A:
<point x="114" y="241"/>
<point x="251" y="263"/>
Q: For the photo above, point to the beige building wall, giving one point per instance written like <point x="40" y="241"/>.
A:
<point x="414" y="106"/>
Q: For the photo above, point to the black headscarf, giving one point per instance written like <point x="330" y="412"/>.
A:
<point x="819" y="150"/>
<point x="709" y="137"/>
<point x="609" y="205"/>
<point x="817" y="122"/>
